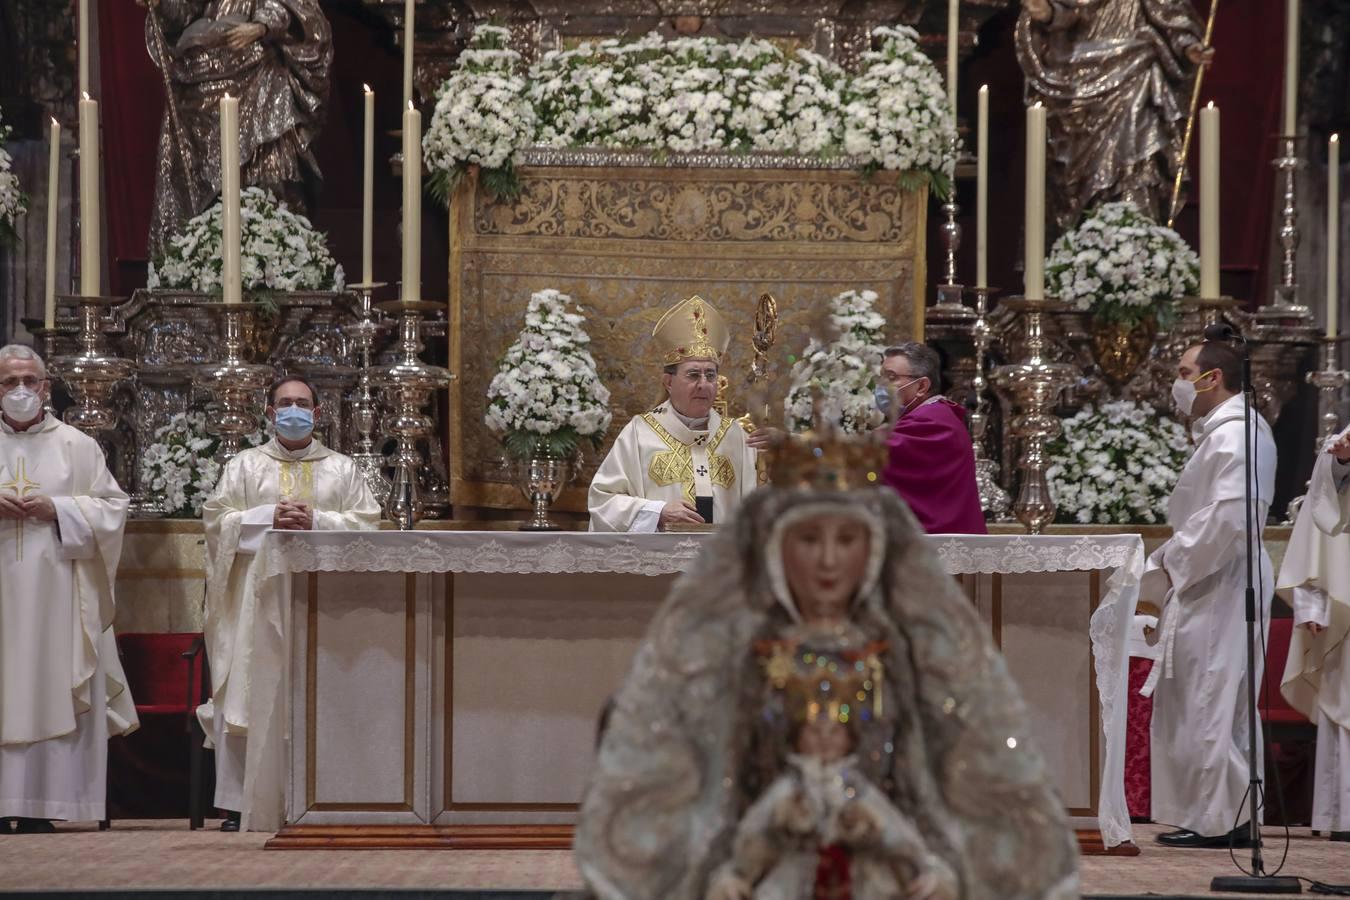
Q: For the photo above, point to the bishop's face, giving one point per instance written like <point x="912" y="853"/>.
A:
<point x="692" y="387"/>
<point x="824" y="559"/>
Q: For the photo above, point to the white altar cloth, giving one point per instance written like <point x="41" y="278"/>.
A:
<point x="427" y="785"/>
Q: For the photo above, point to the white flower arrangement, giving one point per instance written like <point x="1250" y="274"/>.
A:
<point x="279" y="251"/>
<point x="688" y="95"/>
<point x="547" y="394"/>
<point x="1122" y="266"/>
<point x="179" y="470"/>
<point x="836" y="381"/>
<point x="12" y="202"/>
<point x="1116" y="464"/>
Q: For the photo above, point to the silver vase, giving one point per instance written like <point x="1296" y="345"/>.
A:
<point x="541" y="479"/>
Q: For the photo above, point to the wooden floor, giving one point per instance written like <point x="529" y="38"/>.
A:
<point x="164" y="854"/>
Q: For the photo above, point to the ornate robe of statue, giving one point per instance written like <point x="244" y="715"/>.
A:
<point x="244" y="668"/>
<point x="281" y="80"/>
<point x="62" y="688"/>
<point x="691" y="749"/>
<point x="1316" y="678"/>
<point x="1115" y="78"/>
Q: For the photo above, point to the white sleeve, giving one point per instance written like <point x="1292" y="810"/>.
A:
<point x="1340" y="473"/>
<point x="253" y="526"/>
<point x="1311" y="605"/>
<point x="76" y="537"/>
<point x="648" y="518"/>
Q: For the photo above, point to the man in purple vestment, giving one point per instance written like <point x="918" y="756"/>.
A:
<point x="932" y="462"/>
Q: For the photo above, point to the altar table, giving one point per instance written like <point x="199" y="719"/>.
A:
<point x="444" y="684"/>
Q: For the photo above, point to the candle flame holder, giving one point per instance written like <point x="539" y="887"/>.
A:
<point x="92" y="373"/>
<point x="234" y="382"/>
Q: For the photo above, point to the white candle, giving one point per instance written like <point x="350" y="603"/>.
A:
<point x="368" y="193"/>
<point x="53" y="198"/>
<point x="1034" y="264"/>
<point x="1291" y="68"/>
<point x="83" y="40"/>
<point x="408" y="15"/>
<point x="1333" y="234"/>
<point x="412" y="204"/>
<point x="1209" y="202"/>
<point x="91" y="252"/>
<point x="953" y="36"/>
<point x="982" y="192"/>
<point x="232" y="287"/>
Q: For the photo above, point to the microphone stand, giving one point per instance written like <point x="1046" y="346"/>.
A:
<point x="1258" y="882"/>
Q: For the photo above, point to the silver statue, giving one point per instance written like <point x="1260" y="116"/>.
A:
<point x="1115" y="77"/>
<point x="274" y="55"/>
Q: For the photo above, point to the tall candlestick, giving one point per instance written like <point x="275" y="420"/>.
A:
<point x="232" y="287"/>
<point x="1291" y="68"/>
<point x="1034" y="264"/>
<point x="53" y="198"/>
<point x="408" y="14"/>
<point x="91" y="252"/>
<point x="953" y="37"/>
<point x="1209" y="202"/>
<point x="982" y="192"/>
<point x="1333" y="234"/>
<point x="412" y="204"/>
<point x="83" y="40"/>
<point x="368" y="193"/>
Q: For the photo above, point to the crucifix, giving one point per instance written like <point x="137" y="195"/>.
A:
<point x="21" y="487"/>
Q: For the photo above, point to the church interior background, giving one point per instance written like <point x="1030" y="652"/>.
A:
<point x="628" y="234"/>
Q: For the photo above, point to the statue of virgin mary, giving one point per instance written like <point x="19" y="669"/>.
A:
<point x="818" y="571"/>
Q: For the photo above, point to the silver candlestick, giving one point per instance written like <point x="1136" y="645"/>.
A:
<point x="1328" y="380"/>
<point x="950" y="291"/>
<point x="993" y="499"/>
<point x="92" y="373"/>
<point x="1034" y="386"/>
<point x="233" y="381"/>
<point x="364" y="412"/>
<point x="1286" y="292"/>
<point x="408" y="385"/>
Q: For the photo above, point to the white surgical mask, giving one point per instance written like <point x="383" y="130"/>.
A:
<point x="22" y="404"/>
<point x="1184" y="391"/>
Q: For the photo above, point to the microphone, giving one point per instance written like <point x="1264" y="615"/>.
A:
<point x="1222" y="331"/>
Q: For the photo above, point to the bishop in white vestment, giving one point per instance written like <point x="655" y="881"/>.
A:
<point x="62" y="689"/>
<point x="291" y="482"/>
<point x="1316" y="678"/>
<point x="1198" y="579"/>
<point x="680" y="462"/>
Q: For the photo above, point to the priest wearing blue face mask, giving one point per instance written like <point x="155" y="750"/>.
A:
<point x="291" y="483"/>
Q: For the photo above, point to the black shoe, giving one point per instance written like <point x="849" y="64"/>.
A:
<point x="6" y="827"/>
<point x="35" y="826"/>
<point x="1238" y="838"/>
<point x="1340" y="836"/>
<point x="231" y="822"/>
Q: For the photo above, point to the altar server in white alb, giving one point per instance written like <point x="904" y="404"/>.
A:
<point x="681" y="462"/>
<point x="1198" y="578"/>
<point x="62" y="690"/>
<point x="292" y="482"/>
<point x="1317" y="674"/>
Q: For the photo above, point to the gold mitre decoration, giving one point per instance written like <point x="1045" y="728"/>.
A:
<point x="691" y="329"/>
<point x="827" y="459"/>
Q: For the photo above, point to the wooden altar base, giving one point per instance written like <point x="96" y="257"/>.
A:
<point x="503" y="837"/>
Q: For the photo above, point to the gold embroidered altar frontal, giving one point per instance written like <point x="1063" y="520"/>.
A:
<point x="628" y="241"/>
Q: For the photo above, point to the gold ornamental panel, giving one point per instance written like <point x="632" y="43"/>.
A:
<point x="627" y="242"/>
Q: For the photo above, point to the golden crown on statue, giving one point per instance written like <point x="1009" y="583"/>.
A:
<point x="826" y="459"/>
<point x="829" y="685"/>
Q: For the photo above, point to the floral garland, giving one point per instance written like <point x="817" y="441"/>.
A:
<point x="840" y="377"/>
<point x="688" y="95"/>
<point x="179" y="470"/>
<point x="279" y="251"/>
<point x="1122" y="266"/>
<point x="1116" y="464"/>
<point x="12" y="201"/>
<point x="547" y="395"/>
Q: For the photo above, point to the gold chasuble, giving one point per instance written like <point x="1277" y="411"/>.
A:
<point x="657" y="459"/>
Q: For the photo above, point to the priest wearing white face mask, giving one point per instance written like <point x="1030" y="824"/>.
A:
<point x="1198" y="578"/>
<point x="293" y="482"/>
<point x="1316" y="678"/>
<point x="61" y="519"/>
